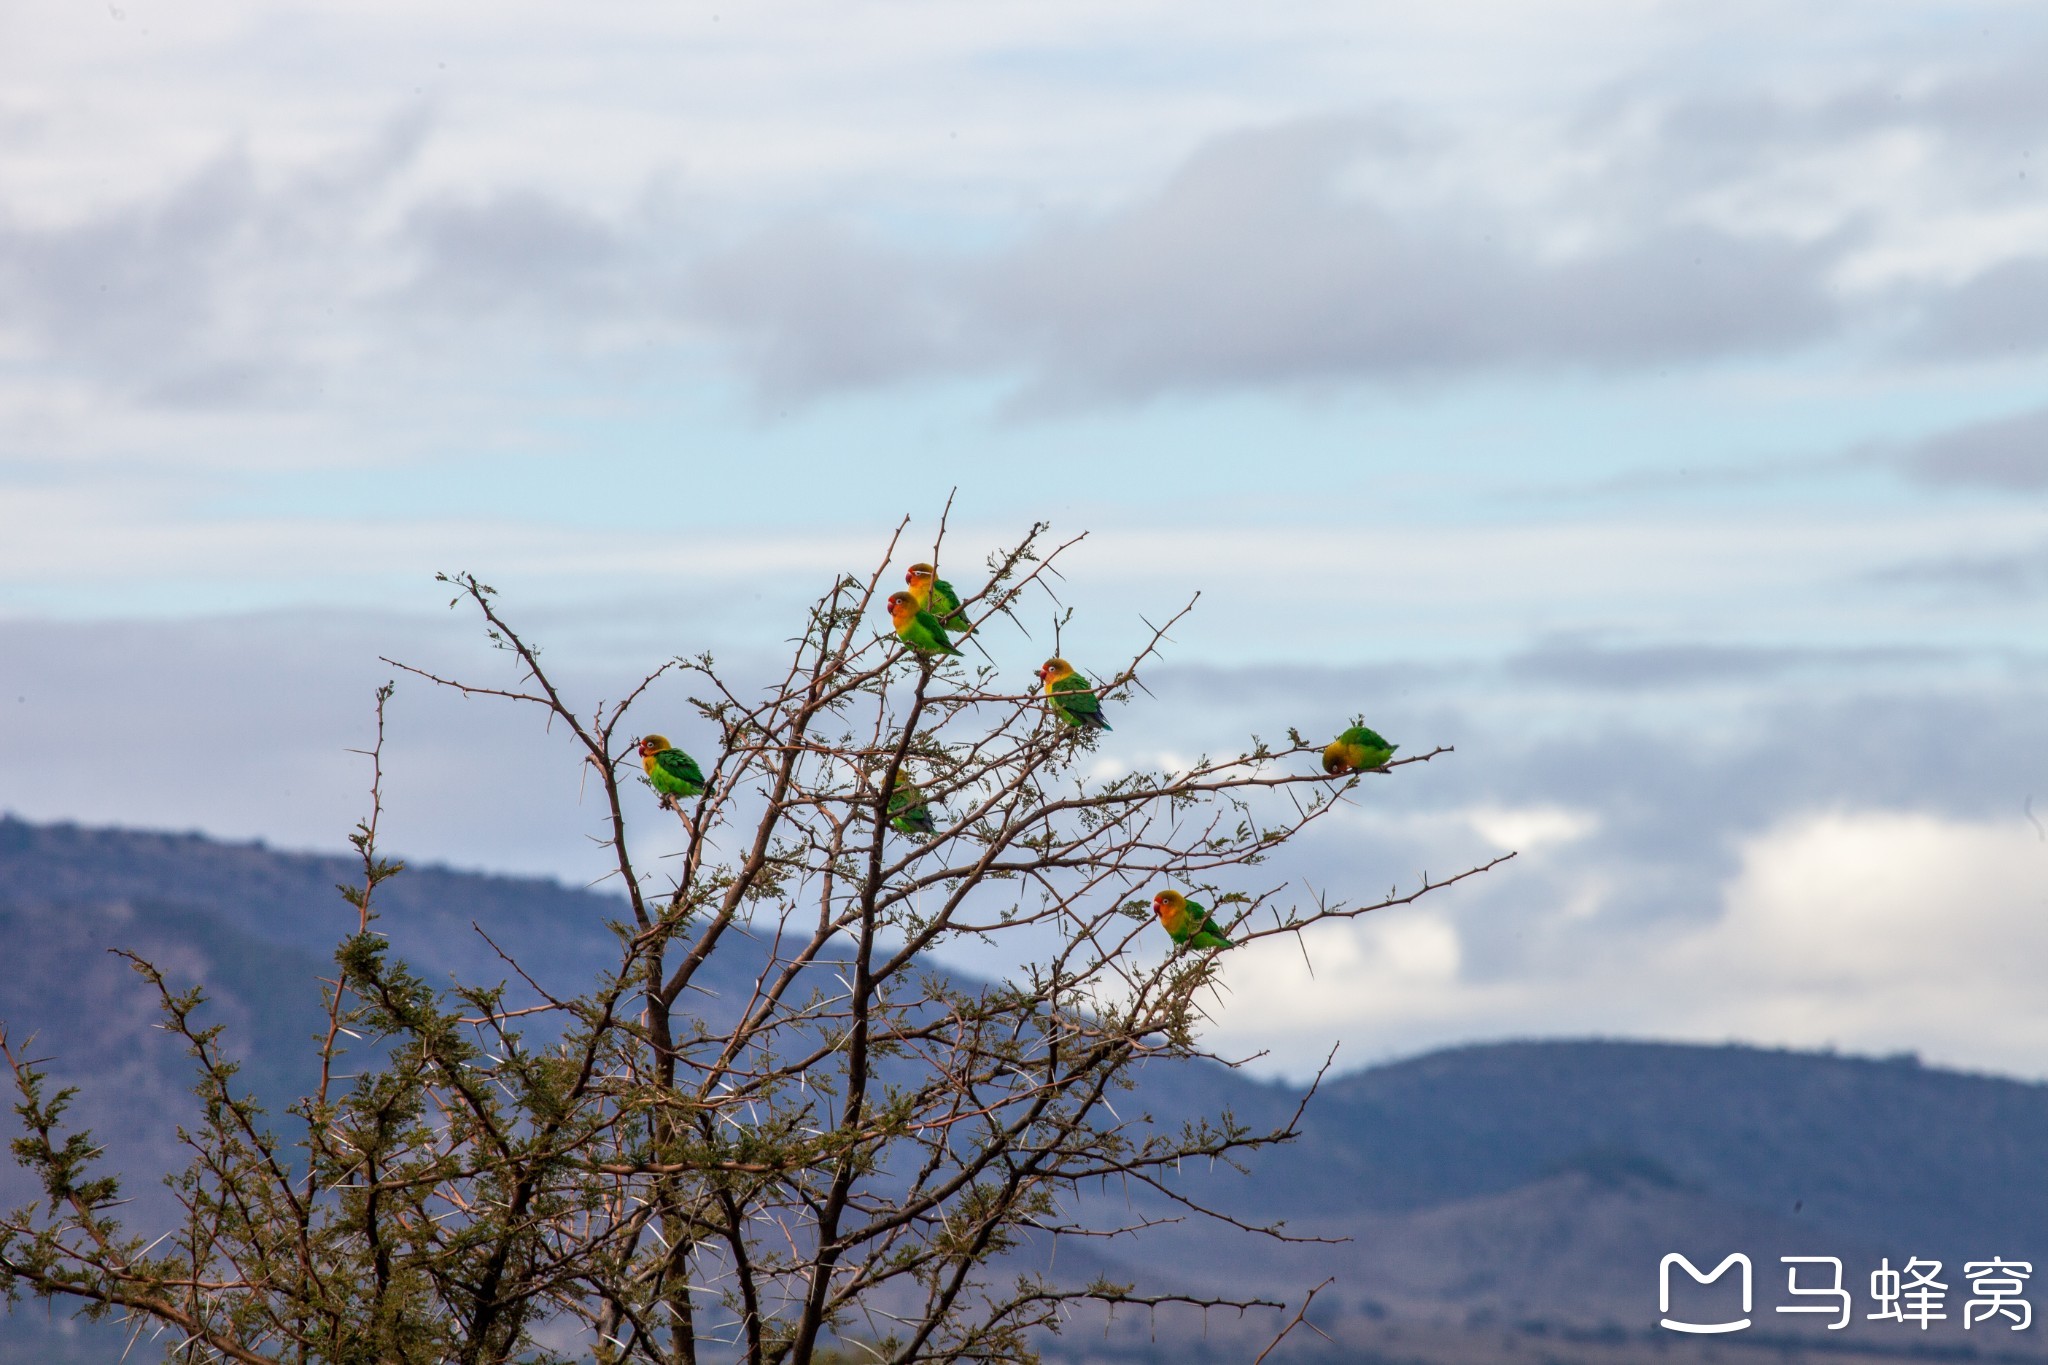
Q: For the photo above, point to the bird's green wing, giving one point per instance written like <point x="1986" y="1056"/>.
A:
<point x="1369" y="749"/>
<point x="945" y="604"/>
<point x="927" y="636"/>
<point x="1206" y="933"/>
<point x="908" y="810"/>
<point x="1198" y="929"/>
<point x="1203" y="930"/>
<point x="1075" y="700"/>
<point x="677" y="774"/>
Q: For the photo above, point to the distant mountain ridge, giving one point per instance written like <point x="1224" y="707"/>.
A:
<point x="290" y="899"/>
<point x="1503" y="1202"/>
<point x="1851" y="1141"/>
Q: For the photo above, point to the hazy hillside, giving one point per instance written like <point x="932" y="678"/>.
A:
<point x="1508" y="1202"/>
<point x="290" y="899"/>
<point x="1536" y="1186"/>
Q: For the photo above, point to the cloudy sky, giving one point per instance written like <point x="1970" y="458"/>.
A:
<point x="1650" y="399"/>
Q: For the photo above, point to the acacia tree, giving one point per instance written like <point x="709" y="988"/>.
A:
<point x="860" y="1158"/>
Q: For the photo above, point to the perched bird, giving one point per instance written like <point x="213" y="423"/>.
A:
<point x="1187" y="923"/>
<point x="1071" y="696"/>
<point x="673" y="772"/>
<point x="935" y="595"/>
<point x="1356" y="750"/>
<point x="917" y="628"/>
<point x="909" y="812"/>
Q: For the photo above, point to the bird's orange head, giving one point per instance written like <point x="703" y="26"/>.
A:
<point x="902" y="607"/>
<point x="920" y="576"/>
<point x="1052" y="670"/>
<point x="1335" y="761"/>
<point x="1169" y="906"/>
<point x="654" y="744"/>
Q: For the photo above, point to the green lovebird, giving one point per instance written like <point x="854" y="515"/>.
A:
<point x="909" y="812"/>
<point x="918" y="629"/>
<point x="1071" y="696"/>
<point x="935" y="595"/>
<point x="673" y="772"/>
<point x="1187" y="923"/>
<point x="1355" y="751"/>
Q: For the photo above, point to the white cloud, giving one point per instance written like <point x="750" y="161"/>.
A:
<point x="1880" y="927"/>
<point x="1528" y="829"/>
<point x="235" y="268"/>
<point x="1871" y="930"/>
<point x="1405" y="961"/>
<point x="836" y="198"/>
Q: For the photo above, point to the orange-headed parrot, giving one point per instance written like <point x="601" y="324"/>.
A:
<point x="918" y="629"/>
<point x="1187" y="923"/>
<point x="672" y="772"/>
<point x="1071" y="696"/>
<point x="935" y="595"/>
<point x="1355" y="751"/>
